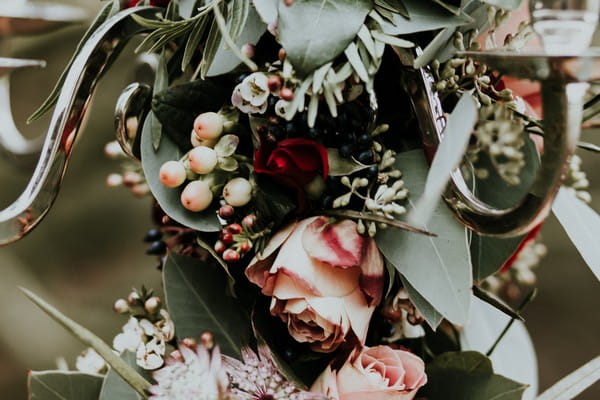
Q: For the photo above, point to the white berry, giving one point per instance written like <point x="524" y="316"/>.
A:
<point x="237" y="192"/>
<point x="196" y="196"/>
<point x="208" y="125"/>
<point x="202" y="159"/>
<point x="172" y="174"/>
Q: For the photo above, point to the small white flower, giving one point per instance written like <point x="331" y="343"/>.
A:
<point x="130" y="338"/>
<point x="251" y="96"/>
<point x="281" y="107"/>
<point x="150" y="355"/>
<point x="90" y="362"/>
<point x="166" y="326"/>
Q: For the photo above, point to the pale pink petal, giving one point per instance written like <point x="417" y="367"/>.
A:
<point x="371" y="280"/>
<point x="338" y="244"/>
<point x="359" y="314"/>
<point x="318" y="277"/>
<point x="326" y="383"/>
<point x="257" y="270"/>
<point x="378" y="395"/>
<point x="415" y="370"/>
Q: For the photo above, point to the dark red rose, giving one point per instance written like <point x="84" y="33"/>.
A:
<point x="528" y="239"/>
<point x="292" y="162"/>
<point x="157" y="3"/>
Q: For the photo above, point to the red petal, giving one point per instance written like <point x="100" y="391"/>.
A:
<point x="338" y="244"/>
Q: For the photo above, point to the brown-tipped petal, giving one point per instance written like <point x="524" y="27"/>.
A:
<point x="372" y="279"/>
<point x="338" y="244"/>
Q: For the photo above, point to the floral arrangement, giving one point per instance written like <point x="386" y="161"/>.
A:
<point x="285" y="159"/>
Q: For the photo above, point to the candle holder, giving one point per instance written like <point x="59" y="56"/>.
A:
<point x="563" y="80"/>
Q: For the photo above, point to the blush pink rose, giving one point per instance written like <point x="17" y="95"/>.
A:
<point x="376" y="373"/>
<point x="324" y="278"/>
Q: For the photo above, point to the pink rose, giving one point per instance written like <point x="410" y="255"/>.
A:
<point x="325" y="281"/>
<point x="376" y="373"/>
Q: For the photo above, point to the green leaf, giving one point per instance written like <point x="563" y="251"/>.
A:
<point x="273" y="202"/>
<point x="267" y="9"/>
<point x="576" y="382"/>
<point x="169" y="198"/>
<point x="161" y="82"/>
<point x="424" y="16"/>
<point x="63" y="385"/>
<point x="239" y="15"/>
<point x="193" y="41"/>
<point x="438" y="268"/>
<point x="106" y="13"/>
<point x="115" y="388"/>
<point x="225" y="60"/>
<point x="467" y="375"/>
<point x="504" y="4"/>
<point x="197" y="301"/>
<point x="582" y="224"/>
<point x="178" y="106"/>
<point x="213" y="41"/>
<point x="392" y="40"/>
<point x="447" y="157"/>
<point x="88" y="338"/>
<point x="314" y="32"/>
<point x="431" y="315"/>
<point x="489" y="253"/>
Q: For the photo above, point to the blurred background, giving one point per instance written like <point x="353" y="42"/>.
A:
<point x="89" y="251"/>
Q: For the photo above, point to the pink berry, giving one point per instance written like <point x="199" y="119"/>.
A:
<point x="219" y="246"/>
<point x="226" y="212"/>
<point x="245" y="247"/>
<point x="208" y="125"/>
<point x="249" y="220"/>
<point x="231" y="256"/>
<point x="234" y="228"/>
<point x="172" y="174"/>
<point x="286" y="94"/>
<point x="226" y="238"/>
<point x="196" y="196"/>
<point x="203" y="160"/>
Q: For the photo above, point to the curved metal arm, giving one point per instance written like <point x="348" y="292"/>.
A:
<point x="97" y="54"/>
<point x="562" y="98"/>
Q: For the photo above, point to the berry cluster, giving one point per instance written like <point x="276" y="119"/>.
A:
<point x="237" y="239"/>
<point x="212" y="152"/>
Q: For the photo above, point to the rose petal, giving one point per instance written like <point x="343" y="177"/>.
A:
<point x="359" y="314"/>
<point x="326" y="383"/>
<point x="372" y="266"/>
<point x="415" y="370"/>
<point x="338" y="244"/>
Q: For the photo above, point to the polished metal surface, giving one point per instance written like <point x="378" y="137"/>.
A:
<point x="563" y="87"/>
<point x="93" y="59"/>
<point x="131" y="110"/>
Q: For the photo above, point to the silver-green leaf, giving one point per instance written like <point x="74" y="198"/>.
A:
<point x="439" y="268"/>
<point x="314" y="32"/>
<point x="63" y="385"/>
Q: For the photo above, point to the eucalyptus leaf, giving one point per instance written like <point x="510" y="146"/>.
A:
<point x="424" y="16"/>
<point x="177" y="107"/>
<point x="340" y="166"/>
<point x="193" y="41"/>
<point x="267" y="9"/>
<point x="314" y="32"/>
<point x="467" y="375"/>
<point x="115" y="388"/>
<point x="447" y="158"/>
<point x="431" y="315"/>
<point x="439" y="268"/>
<point x="489" y="254"/>
<point x="169" y="198"/>
<point x="239" y="15"/>
<point x="582" y="224"/>
<point x="195" y="293"/>
<point x="225" y="60"/>
<point x="63" y="385"/>
<point x="211" y="46"/>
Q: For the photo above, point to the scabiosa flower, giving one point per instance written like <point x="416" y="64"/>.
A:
<point x="258" y="378"/>
<point x="196" y="373"/>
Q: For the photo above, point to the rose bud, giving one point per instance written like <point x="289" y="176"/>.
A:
<point x="374" y="373"/>
<point x="325" y="280"/>
<point x="121" y="306"/>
